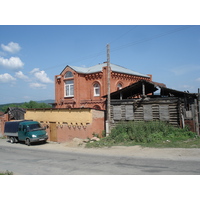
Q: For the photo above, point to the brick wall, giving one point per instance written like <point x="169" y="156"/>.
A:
<point x="66" y="124"/>
<point x="3" y="119"/>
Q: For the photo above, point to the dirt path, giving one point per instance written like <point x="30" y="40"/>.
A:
<point x="135" y="151"/>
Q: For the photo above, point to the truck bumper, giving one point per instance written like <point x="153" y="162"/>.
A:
<point x="32" y="140"/>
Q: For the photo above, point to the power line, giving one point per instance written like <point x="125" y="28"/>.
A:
<point x="123" y="34"/>
<point x="102" y="52"/>
<point x="78" y="60"/>
<point x="115" y="40"/>
<point x="151" y="38"/>
<point x="128" y="44"/>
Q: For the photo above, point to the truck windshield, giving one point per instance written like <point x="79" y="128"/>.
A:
<point x="33" y="127"/>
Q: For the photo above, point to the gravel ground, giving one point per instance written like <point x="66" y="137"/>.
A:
<point x="135" y="151"/>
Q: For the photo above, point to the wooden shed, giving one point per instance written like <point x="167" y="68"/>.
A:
<point x="15" y="113"/>
<point x="146" y="109"/>
<point x="137" y="102"/>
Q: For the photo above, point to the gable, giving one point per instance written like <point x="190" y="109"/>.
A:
<point x="99" y="68"/>
<point x="16" y="113"/>
<point x="67" y="68"/>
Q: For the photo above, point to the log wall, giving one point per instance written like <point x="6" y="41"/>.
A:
<point x="164" y="109"/>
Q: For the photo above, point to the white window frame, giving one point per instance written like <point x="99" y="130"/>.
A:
<point x="97" y="89"/>
<point x="119" y="86"/>
<point x="70" y="92"/>
<point x="69" y="74"/>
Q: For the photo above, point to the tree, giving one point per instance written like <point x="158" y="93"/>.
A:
<point x="26" y="105"/>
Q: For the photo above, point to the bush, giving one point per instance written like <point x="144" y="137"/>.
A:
<point x="139" y="131"/>
<point x="143" y="132"/>
<point x="6" y="173"/>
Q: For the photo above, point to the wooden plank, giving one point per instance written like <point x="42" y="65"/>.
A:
<point x="148" y="115"/>
<point x="123" y="112"/>
<point x="138" y="114"/>
<point x="164" y="112"/>
<point x="129" y="112"/>
<point x="53" y="132"/>
<point x="155" y="111"/>
<point x="117" y="113"/>
<point x="196" y="117"/>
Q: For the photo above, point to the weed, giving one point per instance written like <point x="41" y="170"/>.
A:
<point x="3" y="137"/>
<point x="6" y="173"/>
<point x="145" y="133"/>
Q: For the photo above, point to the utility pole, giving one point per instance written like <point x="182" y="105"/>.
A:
<point x="108" y="92"/>
<point x="199" y="107"/>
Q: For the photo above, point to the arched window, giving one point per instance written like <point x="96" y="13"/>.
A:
<point x="119" y="86"/>
<point x="69" y="88"/>
<point x="96" y="87"/>
<point x="97" y="107"/>
<point x="69" y="74"/>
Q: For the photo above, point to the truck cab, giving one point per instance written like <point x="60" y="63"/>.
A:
<point x="27" y="131"/>
<point x="31" y="132"/>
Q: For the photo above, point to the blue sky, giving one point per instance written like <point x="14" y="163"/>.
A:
<point x="30" y="56"/>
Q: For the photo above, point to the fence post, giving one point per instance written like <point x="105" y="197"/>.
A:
<point x="196" y="120"/>
<point x="199" y="105"/>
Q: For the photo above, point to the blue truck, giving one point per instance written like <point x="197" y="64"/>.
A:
<point x="26" y="131"/>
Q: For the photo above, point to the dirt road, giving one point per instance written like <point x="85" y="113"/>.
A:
<point x="135" y="151"/>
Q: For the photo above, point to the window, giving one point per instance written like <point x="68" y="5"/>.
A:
<point x="33" y="127"/>
<point x="20" y="127"/>
<point x="97" y="107"/>
<point x="119" y="86"/>
<point x="69" y="88"/>
<point x="69" y="74"/>
<point x="96" y="89"/>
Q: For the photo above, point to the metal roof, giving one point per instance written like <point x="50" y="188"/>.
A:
<point x="149" y="87"/>
<point x="99" y="68"/>
<point x="176" y="93"/>
<point x="134" y="89"/>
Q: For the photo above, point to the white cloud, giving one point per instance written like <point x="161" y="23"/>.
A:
<point x="6" y="78"/>
<point x="198" y="79"/>
<point x="26" y="97"/>
<point x="41" y="76"/>
<point x="13" y="63"/>
<point x="182" y="70"/>
<point x="20" y="75"/>
<point x="37" y="86"/>
<point x="185" y="88"/>
<point x="35" y="70"/>
<point x="2" y="53"/>
<point x="11" y="47"/>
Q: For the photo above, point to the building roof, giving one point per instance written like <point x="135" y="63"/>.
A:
<point x="134" y="89"/>
<point x="171" y="92"/>
<point x="149" y="87"/>
<point x="99" y="68"/>
<point x="16" y="113"/>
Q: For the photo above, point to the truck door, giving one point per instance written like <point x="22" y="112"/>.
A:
<point x="22" y="132"/>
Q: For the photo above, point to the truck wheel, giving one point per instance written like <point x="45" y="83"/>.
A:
<point x="28" y="143"/>
<point x="12" y="140"/>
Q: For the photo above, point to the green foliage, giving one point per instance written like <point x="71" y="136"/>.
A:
<point x="26" y="105"/>
<point x="127" y="133"/>
<point x="6" y="173"/>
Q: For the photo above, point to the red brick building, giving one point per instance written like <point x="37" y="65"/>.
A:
<point x="78" y="87"/>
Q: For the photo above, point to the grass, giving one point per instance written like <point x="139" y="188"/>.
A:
<point x="6" y="173"/>
<point x="149" y="134"/>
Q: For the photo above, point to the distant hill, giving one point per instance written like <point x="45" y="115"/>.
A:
<point x="17" y="104"/>
<point x="46" y="101"/>
<point x="42" y="101"/>
<point x="2" y="105"/>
